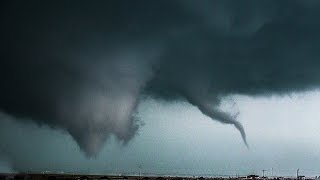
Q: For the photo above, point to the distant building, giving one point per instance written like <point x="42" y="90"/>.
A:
<point x="253" y="176"/>
<point x="104" y="177"/>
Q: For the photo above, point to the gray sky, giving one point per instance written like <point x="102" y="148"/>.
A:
<point x="177" y="138"/>
<point x="176" y="86"/>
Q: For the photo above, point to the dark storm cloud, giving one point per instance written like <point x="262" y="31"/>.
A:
<point x="82" y="66"/>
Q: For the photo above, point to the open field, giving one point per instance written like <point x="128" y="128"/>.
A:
<point x="107" y="177"/>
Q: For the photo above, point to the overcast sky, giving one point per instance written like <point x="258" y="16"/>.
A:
<point x="216" y="87"/>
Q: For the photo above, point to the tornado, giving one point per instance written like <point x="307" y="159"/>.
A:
<point x="85" y="69"/>
<point x="210" y="110"/>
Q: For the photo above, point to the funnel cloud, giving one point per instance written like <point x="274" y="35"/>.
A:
<point x="84" y="66"/>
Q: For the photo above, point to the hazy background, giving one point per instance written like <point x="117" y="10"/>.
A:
<point x="176" y="138"/>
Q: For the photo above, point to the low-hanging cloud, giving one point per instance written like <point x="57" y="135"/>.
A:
<point x="83" y="66"/>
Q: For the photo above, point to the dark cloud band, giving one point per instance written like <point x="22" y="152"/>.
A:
<point x="82" y="66"/>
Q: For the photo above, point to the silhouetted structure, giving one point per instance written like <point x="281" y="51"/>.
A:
<point x="104" y="177"/>
<point x="252" y="176"/>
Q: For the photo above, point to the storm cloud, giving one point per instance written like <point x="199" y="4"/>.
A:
<point x="84" y="66"/>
